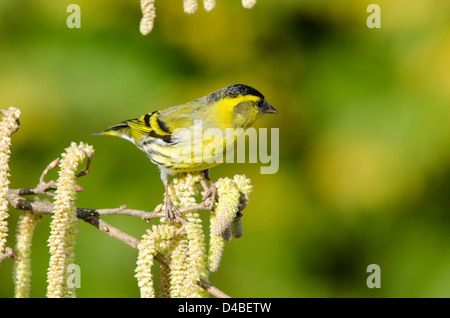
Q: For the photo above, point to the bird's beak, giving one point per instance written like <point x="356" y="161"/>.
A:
<point x="268" y="109"/>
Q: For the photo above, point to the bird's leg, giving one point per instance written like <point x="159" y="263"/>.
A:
<point x="170" y="208"/>
<point x="212" y="191"/>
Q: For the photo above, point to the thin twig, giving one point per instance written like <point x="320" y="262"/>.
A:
<point x="9" y="253"/>
<point x="212" y="289"/>
<point x="85" y="170"/>
<point x="51" y="165"/>
<point x="15" y="199"/>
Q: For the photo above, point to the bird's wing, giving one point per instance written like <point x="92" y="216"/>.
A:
<point x="149" y="124"/>
<point x="152" y="125"/>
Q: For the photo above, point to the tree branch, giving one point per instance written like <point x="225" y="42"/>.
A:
<point x="92" y="216"/>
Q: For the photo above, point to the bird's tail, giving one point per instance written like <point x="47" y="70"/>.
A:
<point x="121" y="130"/>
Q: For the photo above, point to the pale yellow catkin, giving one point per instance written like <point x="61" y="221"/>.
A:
<point x="167" y="232"/>
<point x="248" y="4"/>
<point x="63" y="228"/>
<point x="186" y="189"/>
<point x="144" y="276"/>
<point x="164" y="281"/>
<point x="7" y="126"/>
<point x="245" y="188"/>
<point x="221" y="220"/>
<point x="209" y="5"/>
<point x="22" y="265"/>
<point x="190" y="6"/>
<point x="178" y="267"/>
<point x="216" y="246"/>
<point x="196" y="260"/>
<point x="157" y="240"/>
<point x="229" y="198"/>
<point x="148" y="16"/>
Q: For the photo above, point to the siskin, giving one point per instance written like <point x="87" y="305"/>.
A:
<point x="170" y="137"/>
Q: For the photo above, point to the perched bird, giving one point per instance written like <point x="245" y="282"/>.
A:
<point x="193" y="136"/>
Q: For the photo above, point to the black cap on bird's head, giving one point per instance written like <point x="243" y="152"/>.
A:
<point x="241" y="89"/>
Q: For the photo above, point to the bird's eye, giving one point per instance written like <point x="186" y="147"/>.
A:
<point x="259" y="103"/>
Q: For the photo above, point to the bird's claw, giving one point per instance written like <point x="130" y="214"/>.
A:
<point x="212" y="192"/>
<point x="171" y="211"/>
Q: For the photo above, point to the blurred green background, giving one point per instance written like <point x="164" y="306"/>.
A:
<point x="364" y="174"/>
